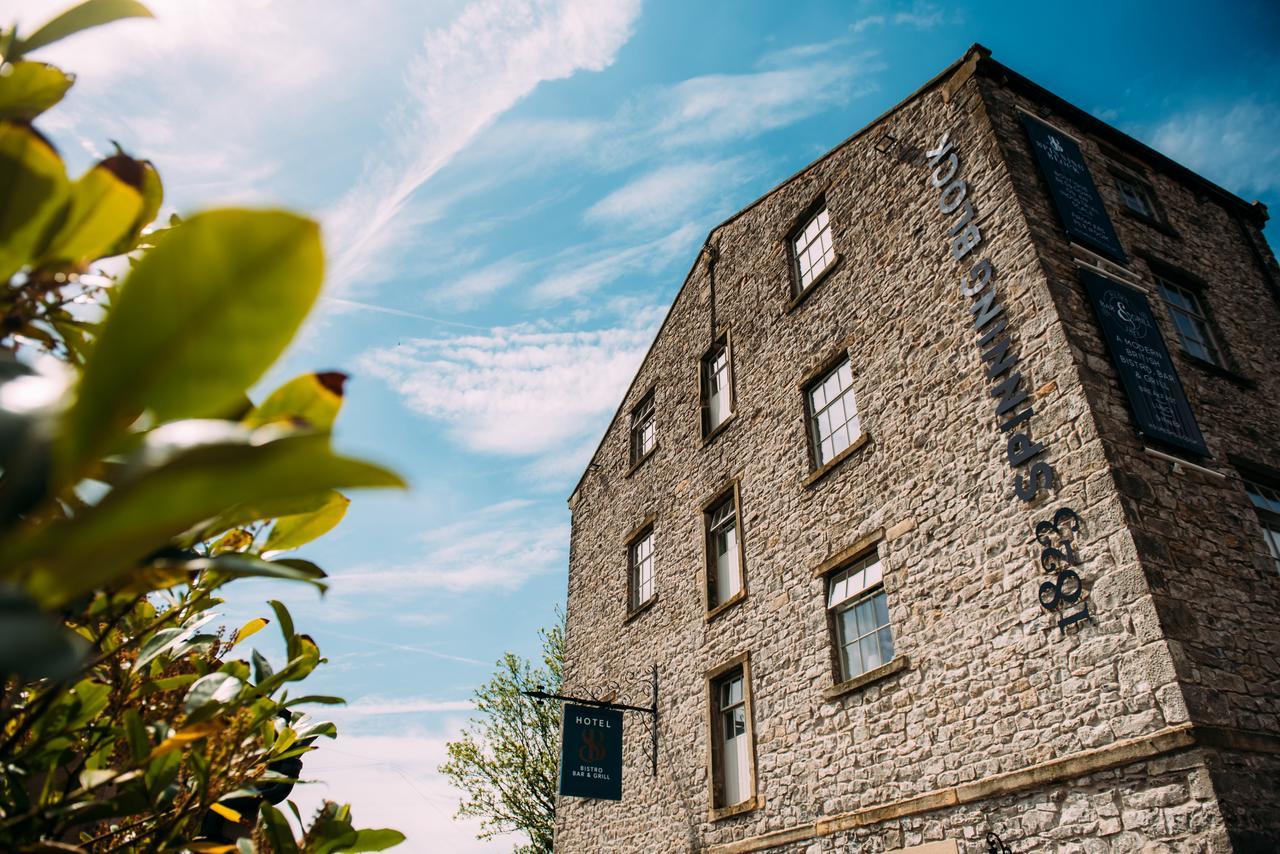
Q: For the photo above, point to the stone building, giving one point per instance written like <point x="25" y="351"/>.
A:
<point x="947" y="502"/>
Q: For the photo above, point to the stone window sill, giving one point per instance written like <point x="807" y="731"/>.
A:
<point x="751" y="804"/>
<point x="1218" y="370"/>
<point x="636" y="465"/>
<point x="871" y="677"/>
<point x="720" y="428"/>
<point x="826" y="468"/>
<point x="799" y="298"/>
<point x="640" y="609"/>
<point x="726" y="604"/>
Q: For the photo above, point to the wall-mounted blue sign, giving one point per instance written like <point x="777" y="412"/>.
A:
<point x="1150" y="381"/>
<point x="1071" y="187"/>
<point x="591" y="753"/>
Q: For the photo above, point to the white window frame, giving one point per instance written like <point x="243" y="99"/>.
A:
<point x="726" y="569"/>
<point x="825" y="403"/>
<point x="641" y="570"/>
<point x="644" y="427"/>
<point x="733" y="792"/>
<point x="813" y="249"/>
<point x="716" y="378"/>
<point x="1266" y="502"/>
<point x="854" y="589"/>
<point x="1136" y="197"/>
<point x="1195" y="332"/>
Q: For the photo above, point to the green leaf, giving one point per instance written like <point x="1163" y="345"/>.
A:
<point x="198" y="320"/>
<point x="376" y="840"/>
<point x="91" y="13"/>
<point x="262" y="669"/>
<point x="214" y="689"/>
<point x="33" y="188"/>
<point x="156" y="645"/>
<point x="143" y="177"/>
<point x="34" y="645"/>
<point x="313" y="399"/>
<point x="286" y="626"/>
<point x="90" y="699"/>
<point x="284" y="740"/>
<point x="227" y="566"/>
<point x="322" y="699"/>
<point x="73" y="557"/>
<point x="247" y="512"/>
<point x="136" y="733"/>
<point x="290" y="532"/>
<point x="161" y="771"/>
<point x="30" y="88"/>
<point x="314" y="730"/>
<point x="277" y="830"/>
<point x="252" y="627"/>
<point x="101" y="210"/>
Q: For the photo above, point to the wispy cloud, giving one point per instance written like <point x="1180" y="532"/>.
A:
<point x="519" y="391"/>
<point x="1234" y="143"/>
<point x="468" y="74"/>
<point x="667" y="195"/>
<point x="497" y="548"/>
<point x="586" y="269"/>
<point x="376" y="706"/>
<point x="210" y="139"/>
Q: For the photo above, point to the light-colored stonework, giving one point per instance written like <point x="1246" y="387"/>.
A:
<point x="1154" y="726"/>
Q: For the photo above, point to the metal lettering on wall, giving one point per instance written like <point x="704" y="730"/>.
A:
<point x="1013" y="409"/>
<point x="1150" y="381"/>
<point x="1075" y="197"/>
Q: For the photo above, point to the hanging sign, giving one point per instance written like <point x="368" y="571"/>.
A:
<point x="591" y="753"/>
<point x="1071" y="187"/>
<point x="1150" y="381"/>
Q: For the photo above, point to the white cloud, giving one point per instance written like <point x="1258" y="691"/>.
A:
<point x="721" y="107"/>
<point x="922" y="16"/>
<point x="376" y="706"/>
<point x="472" y="288"/>
<point x="498" y="548"/>
<point x="518" y="391"/>
<point x="468" y="73"/>
<point x="668" y="195"/>
<point x="584" y="270"/>
<point x="393" y="781"/>
<point x="868" y="22"/>
<point x="1233" y="144"/>
<point x="233" y="74"/>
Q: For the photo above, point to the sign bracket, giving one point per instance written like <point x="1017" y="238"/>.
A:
<point x="652" y="710"/>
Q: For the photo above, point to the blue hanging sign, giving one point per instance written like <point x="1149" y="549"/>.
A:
<point x="591" y="753"/>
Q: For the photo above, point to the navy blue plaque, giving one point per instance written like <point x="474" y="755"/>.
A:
<point x="1071" y="187"/>
<point x="1156" y="397"/>
<point x="591" y="753"/>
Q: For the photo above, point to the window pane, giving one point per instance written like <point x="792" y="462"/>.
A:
<point x="834" y="413"/>
<point x="852" y="661"/>
<point x="886" y="644"/>
<point x="812" y="248"/>
<point x="870" y="647"/>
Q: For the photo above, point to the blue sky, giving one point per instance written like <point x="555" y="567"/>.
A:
<point x="512" y="192"/>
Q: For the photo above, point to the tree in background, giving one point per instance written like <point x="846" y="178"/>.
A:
<point x="507" y="762"/>
<point x="136" y="480"/>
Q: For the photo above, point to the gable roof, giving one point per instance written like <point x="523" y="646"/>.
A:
<point x="979" y="59"/>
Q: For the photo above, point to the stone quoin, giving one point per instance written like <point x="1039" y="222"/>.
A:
<point x="909" y="536"/>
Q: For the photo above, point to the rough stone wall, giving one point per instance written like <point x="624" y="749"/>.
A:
<point x="1199" y="544"/>
<point x="1165" y="806"/>
<point x="992" y="686"/>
